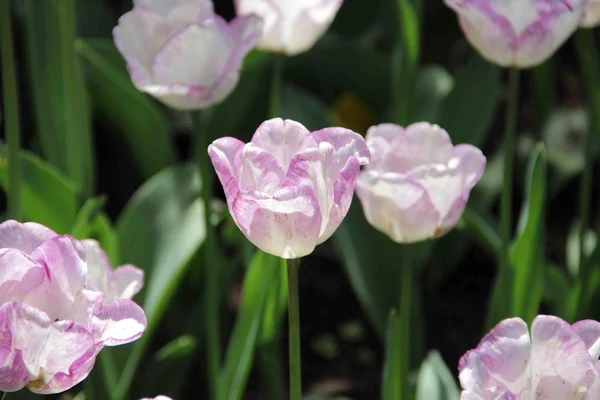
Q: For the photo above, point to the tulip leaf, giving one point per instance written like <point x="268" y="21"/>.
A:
<point x="275" y="305"/>
<point x="47" y="196"/>
<point x="160" y="229"/>
<point x="435" y="381"/>
<point x="262" y="275"/>
<point x="470" y="107"/>
<point x="129" y="113"/>
<point x="299" y="105"/>
<point x="527" y="252"/>
<point x="88" y="212"/>
<point x="60" y="101"/>
<point x="391" y="382"/>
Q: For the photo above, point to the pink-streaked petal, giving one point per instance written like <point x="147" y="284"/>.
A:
<point x="161" y="397"/>
<point x="379" y="141"/>
<point x="589" y="331"/>
<point x="127" y="281"/>
<point x="226" y="156"/>
<point x="421" y="143"/>
<point x="346" y="144"/>
<point x="13" y="372"/>
<point x="282" y="139"/>
<point x="19" y="275"/>
<point x="119" y="322"/>
<point x="286" y="225"/>
<point x="25" y="237"/>
<point x="260" y="170"/>
<point x="591" y="17"/>
<point x="98" y="266"/>
<point x="397" y="206"/>
<point x="560" y="364"/>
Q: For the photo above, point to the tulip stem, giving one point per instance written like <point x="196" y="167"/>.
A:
<point x="405" y="319"/>
<point x="509" y="156"/>
<point x="278" y="60"/>
<point x="11" y="111"/>
<point x="294" y="329"/>
<point x="211" y="267"/>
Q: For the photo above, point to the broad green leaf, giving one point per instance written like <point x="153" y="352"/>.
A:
<point x="556" y="289"/>
<point x="129" y="113"/>
<point x="470" y="107"/>
<point x="160" y="229"/>
<point x="47" y="196"/>
<point x="391" y="369"/>
<point x="103" y="231"/>
<point x="481" y="230"/>
<point x="60" y="101"/>
<point x="300" y="105"/>
<point x="275" y="305"/>
<point x="435" y="381"/>
<point x="164" y="374"/>
<point x="527" y="252"/>
<point x="88" y="212"/>
<point x="262" y="275"/>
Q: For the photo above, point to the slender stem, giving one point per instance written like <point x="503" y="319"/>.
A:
<point x="405" y="319"/>
<point x="509" y="156"/>
<point x="211" y="281"/>
<point x="294" y="329"/>
<point x="585" y="203"/>
<point x="278" y="61"/>
<point x="4" y="395"/>
<point x="11" y="111"/>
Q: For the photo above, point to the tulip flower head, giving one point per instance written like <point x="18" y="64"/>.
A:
<point x="518" y="33"/>
<point x="291" y="26"/>
<point x="157" y="398"/>
<point x="417" y="184"/>
<point x="556" y="361"/>
<point x="182" y="53"/>
<point x="289" y="189"/>
<point x="60" y="303"/>
<point x="591" y="17"/>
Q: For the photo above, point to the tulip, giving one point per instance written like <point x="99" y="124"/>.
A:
<point x="182" y="53"/>
<point x="591" y="16"/>
<point x="289" y="189"/>
<point x="556" y="361"/>
<point x="55" y="316"/>
<point x="518" y="33"/>
<point x="157" y="398"/>
<point x="291" y="26"/>
<point x="417" y="184"/>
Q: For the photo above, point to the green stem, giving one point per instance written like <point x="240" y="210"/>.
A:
<point x="211" y="281"/>
<point x="509" y="159"/>
<point x="405" y="319"/>
<point x="11" y="111"/>
<point x="4" y="396"/>
<point x="294" y="329"/>
<point x="278" y="61"/>
<point x="585" y="204"/>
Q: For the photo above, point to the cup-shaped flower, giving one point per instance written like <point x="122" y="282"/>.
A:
<point x="417" y="184"/>
<point x="291" y="26"/>
<point x="289" y="189"/>
<point x="591" y="17"/>
<point x="518" y="33"/>
<point x="161" y="397"/>
<point x="55" y="316"/>
<point x="556" y="361"/>
<point x="182" y="53"/>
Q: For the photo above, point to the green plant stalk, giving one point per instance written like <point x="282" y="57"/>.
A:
<point x="4" y="395"/>
<point x="294" y="330"/>
<point x="405" y="308"/>
<point x="11" y="112"/>
<point x="211" y="270"/>
<point x="275" y="95"/>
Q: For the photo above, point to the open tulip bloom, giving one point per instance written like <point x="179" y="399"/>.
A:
<point x="556" y="361"/>
<point x="289" y="189"/>
<point x="417" y="183"/>
<point x="518" y="33"/>
<point x="60" y="303"/>
<point x="182" y="53"/>
<point x="291" y="26"/>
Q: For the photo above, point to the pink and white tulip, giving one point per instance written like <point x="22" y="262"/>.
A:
<point x="518" y="33"/>
<point x="556" y="361"/>
<point x="161" y="397"/>
<point x="291" y="26"/>
<point x="182" y="53"/>
<point x="59" y="305"/>
<point x="417" y="183"/>
<point x="591" y="17"/>
<point x="289" y="189"/>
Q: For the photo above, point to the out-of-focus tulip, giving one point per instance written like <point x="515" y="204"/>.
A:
<point x="157" y="398"/>
<point x="556" y="361"/>
<point x="417" y="184"/>
<point x="518" y="33"/>
<point x="289" y="189"/>
<point x="591" y="17"/>
<point x="291" y="26"/>
<point x="54" y="314"/>
<point x="182" y="53"/>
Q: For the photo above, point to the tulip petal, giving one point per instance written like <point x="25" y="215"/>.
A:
<point x="260" y="170"/>
<point x="282" y="139"/>
<point x="25" y="237"/>
<point x="346" y="144"/>
<point x="591" y="17"/>
<point x="286" y="225"/>
<point x="304" y="29"/>
<point x="187" y="12"/>
<point x="127" y="281"/>
<point x="164" y="7"/>
<point x="19" y="274"/>
<point x="379" y="141"/>
<point x="13" y="372"/>
<point x="119" y="322"/>
<point x="589" y="331"/>
<point x="397" y="205"/>
<point x="226" y="156"/>
<point x="98" y="266"/>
